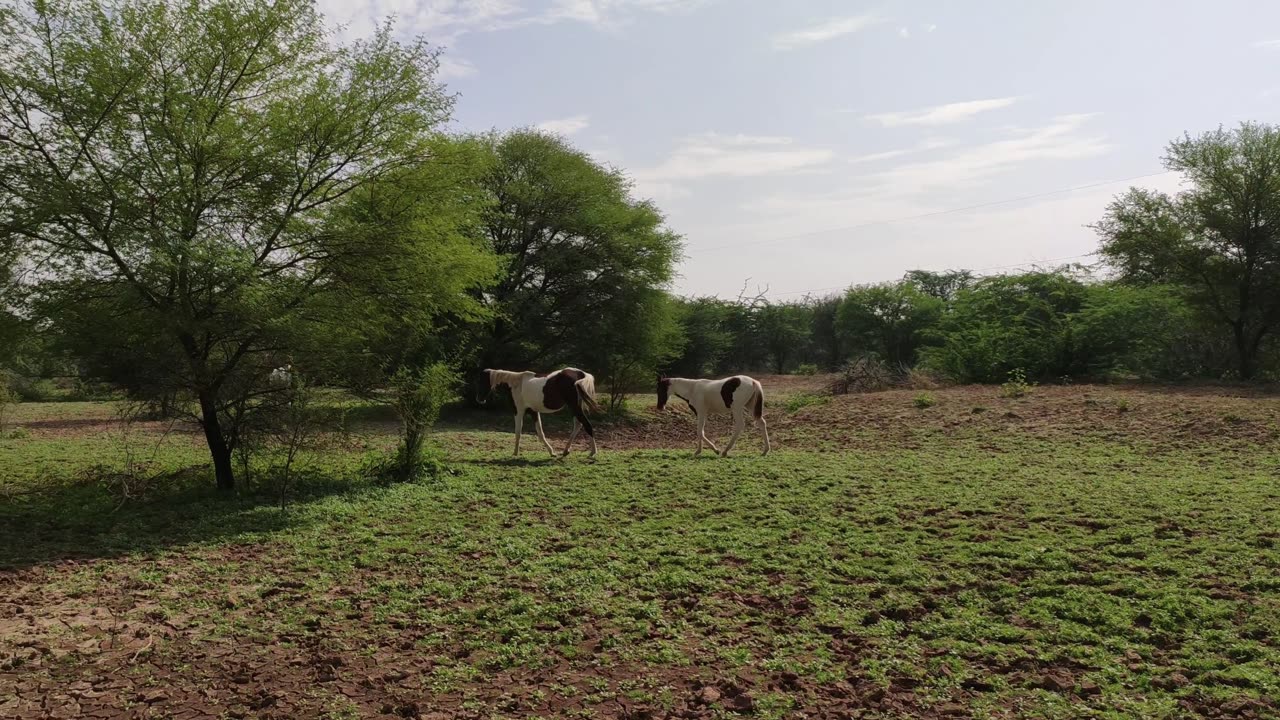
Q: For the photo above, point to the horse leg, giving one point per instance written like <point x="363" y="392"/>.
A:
<point x="572" y="436"/>
<point x="764" y="430"/>
<point x="586" y="425"/>
<point x="739" y="422"/>
<point x="712" y="445"/>
<point x="702" y="436"/>
<point x="541" y="435"/>
<point x="519" y="429"/>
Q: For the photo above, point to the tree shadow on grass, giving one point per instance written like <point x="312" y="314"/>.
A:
<point x="83" y="521"/>
<point x="508" y="461"/>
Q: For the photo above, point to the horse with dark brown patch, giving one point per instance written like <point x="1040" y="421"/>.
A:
<point x="733" y="395"/>
<point x="568" y="387"/>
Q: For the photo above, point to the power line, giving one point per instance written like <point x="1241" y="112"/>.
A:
<point x="935" y="213"/>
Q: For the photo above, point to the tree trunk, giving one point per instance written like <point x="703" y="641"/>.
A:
<point x="1245" y="352"/>
<point x="218" y="448"/>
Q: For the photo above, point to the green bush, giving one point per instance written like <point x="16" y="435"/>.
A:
<point x="26" y="389"/>
<point x="1016" y="386"/>
<point x="925" y="400"/>
<point x="806" y="369"/>
<point x="1011" y="322"/>
<point x="417" y="398"/>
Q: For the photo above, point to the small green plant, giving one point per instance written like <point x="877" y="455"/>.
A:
<point x="925" y="400"/>
<point x="417" y="397"/>
<point x="1016" y="386"/>
<point x="807" y="369"/>
<point x="1122" y="405"/>
<point x="795" y="403"/>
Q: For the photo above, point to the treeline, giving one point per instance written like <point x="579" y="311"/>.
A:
<point x="1191" y="290"/>
<point x="1049" y="325"/>
<point x="193" y="196"/>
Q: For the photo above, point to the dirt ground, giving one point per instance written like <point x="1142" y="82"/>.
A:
<point x="149" y="666"/>
<point x="1156" y="417"/>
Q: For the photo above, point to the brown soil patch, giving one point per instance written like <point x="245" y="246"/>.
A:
<point x="1144" y="416"/>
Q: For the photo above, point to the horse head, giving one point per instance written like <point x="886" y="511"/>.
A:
<point x="482" y="385"/>
<point x="664" y="390"/>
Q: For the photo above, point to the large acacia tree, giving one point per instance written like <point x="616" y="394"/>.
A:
<point x="1219" y="239"/>
<point x="172" y="168"/>
<point x="580" y="253"/>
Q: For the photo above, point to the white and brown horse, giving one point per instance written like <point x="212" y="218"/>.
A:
<point x="708" y="398"/>
<point x="568" y="387"/>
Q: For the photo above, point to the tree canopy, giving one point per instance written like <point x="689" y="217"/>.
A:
<point x="577" y="249"/>
<point x="177" y="168"/>
<point x="1220" y="238"/>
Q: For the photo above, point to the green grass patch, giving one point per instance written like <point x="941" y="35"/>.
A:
<point x="1064" y="579"/>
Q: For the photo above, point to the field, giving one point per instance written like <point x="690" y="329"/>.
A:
<point x="1080" y="551"/>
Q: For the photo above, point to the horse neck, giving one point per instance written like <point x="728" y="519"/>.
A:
<point x="506" y="377"/>
<point x="682" y="387"/>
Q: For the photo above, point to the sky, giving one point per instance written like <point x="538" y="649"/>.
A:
<point x="804" y="146"/>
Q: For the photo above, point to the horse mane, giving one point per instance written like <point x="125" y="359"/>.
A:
<point x="509" y="378"/>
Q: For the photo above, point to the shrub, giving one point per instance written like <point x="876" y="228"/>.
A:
<point x="1016" y="386"/>
<point x="806" y="369"/>
<point x="925" y="400"/>
<point x="866" y="374"/>
<point x="919" y="378"/>
<point x="33" y="389"/>
<point x="1009" y="322"/>
<point x="417" y="398"/>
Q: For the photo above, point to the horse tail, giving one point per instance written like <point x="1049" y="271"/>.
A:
<point x="587" y="391"/>
<point x="758" y="410"/>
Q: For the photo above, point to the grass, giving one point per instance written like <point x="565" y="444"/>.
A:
<point x="1005" y="576"/>
<point x="800" y="401"/>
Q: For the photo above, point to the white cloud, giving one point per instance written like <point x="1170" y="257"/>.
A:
<point x="611" y="13"/>
<point x="941" y="114"/>
<point x="931" y="28"/>
<point x="657" y="190"/>
<point x="455" y="67"/>
<point x="918" y="187"/>
<point x="565" y="126"/>
<point x="443" y="21"/>
<point x="604" y="150"/>
<point x="713" y="154"/>
<point x="923" y="146"/>
<point x="1268" y="44"/>
<point x="716" y="155"/>
<point x="828" y="30"/>
<point x="1060" y="139"/>
<point x="904" y="32"/>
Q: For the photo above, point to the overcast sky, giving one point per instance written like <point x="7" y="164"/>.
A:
<point x="796" y="144"/>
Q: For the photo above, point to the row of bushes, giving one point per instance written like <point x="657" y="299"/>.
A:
<point x="1048" y="324"/>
